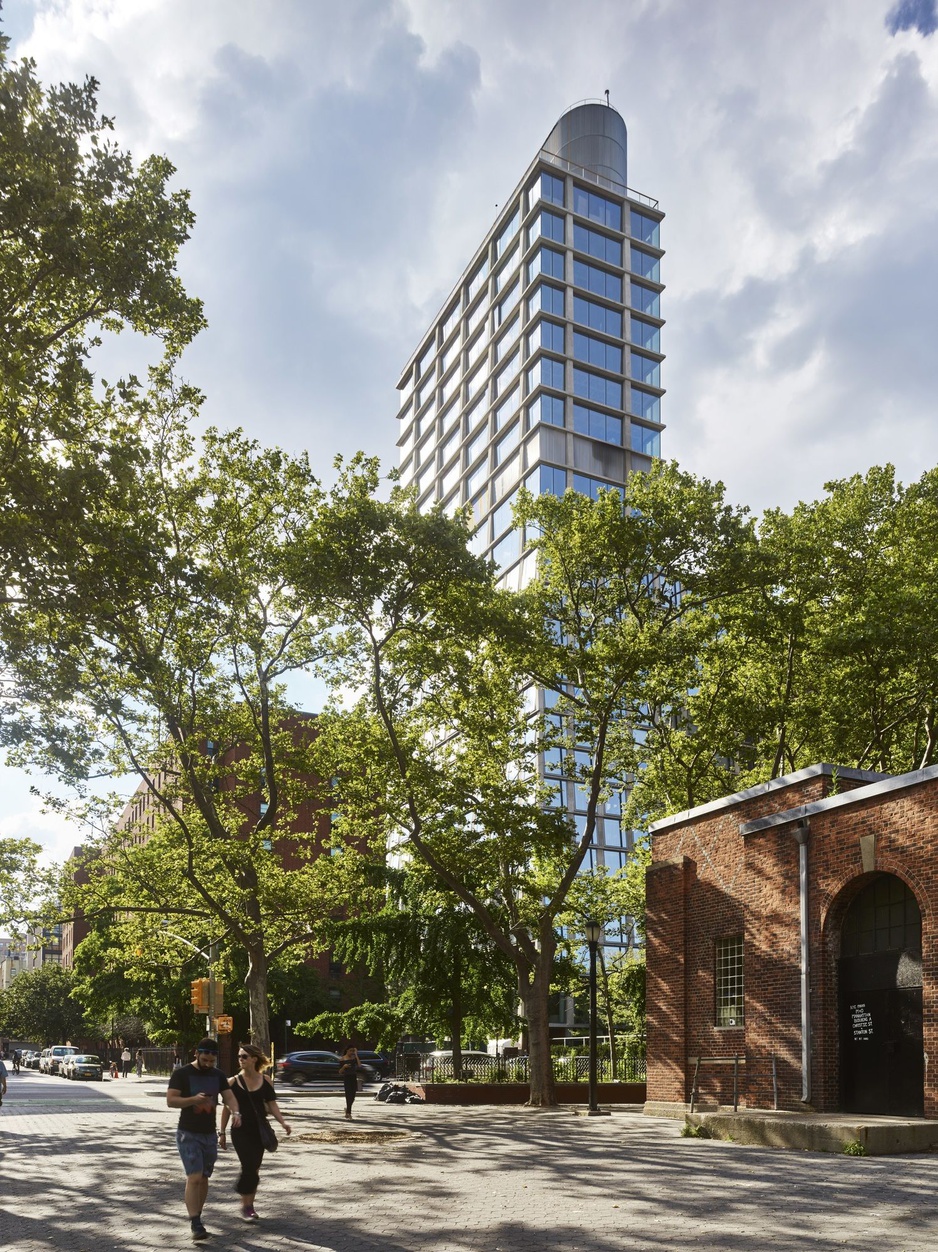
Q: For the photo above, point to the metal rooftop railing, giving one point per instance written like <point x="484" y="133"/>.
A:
<point x="609" y="183"/>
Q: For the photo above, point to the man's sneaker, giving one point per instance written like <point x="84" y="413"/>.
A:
<point x="199" y="1233"/>
<point x="249" y="1214"/>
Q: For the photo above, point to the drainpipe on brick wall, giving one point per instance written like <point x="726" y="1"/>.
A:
<point x="801" y="838"/>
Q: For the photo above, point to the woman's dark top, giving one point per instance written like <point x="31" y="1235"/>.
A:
<point x="251" y="1104"/>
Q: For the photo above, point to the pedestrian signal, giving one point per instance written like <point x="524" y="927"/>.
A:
<point x="224" y="1025"/>
<point x="199" y="995"/>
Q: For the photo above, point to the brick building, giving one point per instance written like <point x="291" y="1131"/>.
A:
<point x="793" y="926"/>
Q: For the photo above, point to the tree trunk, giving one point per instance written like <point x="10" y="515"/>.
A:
<point x="534" y="992"/>
<point x="256" y="983"/>
<point x="609" y="1015"/>
<point x="456" y="1018"/>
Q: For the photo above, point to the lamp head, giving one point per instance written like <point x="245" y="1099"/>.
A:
<point x="593" y="931"/>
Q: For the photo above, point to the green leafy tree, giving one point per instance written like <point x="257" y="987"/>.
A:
<point x="438" y="757"/>
<point x="442" y="975"/>
<point x="25" y="884"/>
<point x="174" y="672"/>
<point x="830" y="656"/>
<point x="88" y="246"/>
<point x="39" y="1005"/>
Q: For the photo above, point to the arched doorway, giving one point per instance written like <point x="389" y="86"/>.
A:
<point x="881" y="1050"/>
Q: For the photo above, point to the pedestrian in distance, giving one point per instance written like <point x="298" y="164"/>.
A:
<point x="139" y="1062"/>
<point x="349" y="1069"/>
<point x="256" y="1098"/>
<point x="3" y="1081"/>
<point x="126" y="1060"/>
<point x="195" y="1090"/>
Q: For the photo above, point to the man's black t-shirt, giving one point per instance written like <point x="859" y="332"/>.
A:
<point x="190" y="1081"/>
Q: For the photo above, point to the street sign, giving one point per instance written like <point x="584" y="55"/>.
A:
<point x="224" y="1025"/>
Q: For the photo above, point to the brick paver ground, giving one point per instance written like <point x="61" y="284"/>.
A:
<point x="93" y="1168"/>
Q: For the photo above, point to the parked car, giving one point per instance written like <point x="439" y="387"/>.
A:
<point x="298" y="1068"/>
<point x="380" y="1062"/>
<point x="83" y="1065"/>
<point x="33" y="1062"/>
<point x="44" y="1060"/>
<point x="57" y="1055"/>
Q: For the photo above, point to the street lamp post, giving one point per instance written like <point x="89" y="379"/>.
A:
<point x="593" y="931"/>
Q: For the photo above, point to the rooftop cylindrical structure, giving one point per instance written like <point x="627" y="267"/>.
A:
<point x="592" y="135"/>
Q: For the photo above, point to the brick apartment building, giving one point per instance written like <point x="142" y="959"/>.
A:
<point x="793" y="926"/>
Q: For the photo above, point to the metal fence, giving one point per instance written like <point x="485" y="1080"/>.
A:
<point x="157" y="1060"/>
<point x="570" y="1064"/>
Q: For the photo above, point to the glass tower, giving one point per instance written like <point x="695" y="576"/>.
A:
<point x="543" y="367"/>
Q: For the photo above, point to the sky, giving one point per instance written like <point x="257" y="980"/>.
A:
<point x="345" y="158"/>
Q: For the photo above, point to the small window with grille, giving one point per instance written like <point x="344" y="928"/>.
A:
<point x="729" y="981"/>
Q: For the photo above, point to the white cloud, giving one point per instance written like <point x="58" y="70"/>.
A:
<point x="345" y="157"/>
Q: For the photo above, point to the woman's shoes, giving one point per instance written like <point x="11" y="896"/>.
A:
<point x="248" y="1214"/>
<point x="348" y="1117"/>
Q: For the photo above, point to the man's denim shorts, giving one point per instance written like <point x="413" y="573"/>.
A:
<point x="199" y="1152"/>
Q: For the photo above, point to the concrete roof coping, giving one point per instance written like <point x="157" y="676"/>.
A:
<point x="761" y="789"/>
<point x="897" y="782"/>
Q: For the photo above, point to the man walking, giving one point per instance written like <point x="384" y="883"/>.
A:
<point x="194" y="1090"/>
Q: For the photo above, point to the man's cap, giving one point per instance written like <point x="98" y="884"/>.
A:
<point x="207" y="1045"/>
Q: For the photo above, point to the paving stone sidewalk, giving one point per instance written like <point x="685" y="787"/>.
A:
<point x="96" y="1170"/>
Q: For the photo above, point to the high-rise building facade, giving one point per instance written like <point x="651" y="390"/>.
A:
<point x="543" y="367"/>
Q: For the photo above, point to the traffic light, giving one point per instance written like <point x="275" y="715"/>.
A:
<point x="199" y="995"/>
<point x="219" y="1006"/>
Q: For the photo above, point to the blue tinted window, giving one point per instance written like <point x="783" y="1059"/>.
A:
<point x="597" y="316"/>
<point x="478" y="278"/>
<point x="645" y="334"/>
<point x="549" y="225"/>
<point x="597" y="208"/>
<point x="547" y="300"/>
<point x="547" y="335"/>
<point x="501" y="518"/>
<point x="546" y="261"/>
<point x="547" y="409"/>
<point x="600" y="282"/>
<point x="546" y="373"/>
<point x="596" y="388"/>
<point x="508" y="303"/>
<point x="646" y="370"/>
<point x="505" y="238"/>
<point x="645" y="264"/>
<point x="600" y="246"/>
<point x="508" y="550"/>
<point x="597" y="425"/>
<point x="643" y="228"/>
<point x="507" y="408"/>
<point x="592" y="486"/>
<point x="597" y="352"/>
<point x="644" y="299"/>
<point x="547" y="480"/>
<point x="551" y="189"/>
<point x="645" y="440"/>
<point x="644" y="404"/>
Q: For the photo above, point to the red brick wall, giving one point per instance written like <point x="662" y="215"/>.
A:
<point x="707" y="881"/>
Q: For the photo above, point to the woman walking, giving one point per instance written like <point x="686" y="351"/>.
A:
<point x="256" y="1099"/>
<point x="349" y="1068"/>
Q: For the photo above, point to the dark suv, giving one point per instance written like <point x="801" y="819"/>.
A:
<point x="378" y="1061"/>
<point x="298" y="1068"/>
